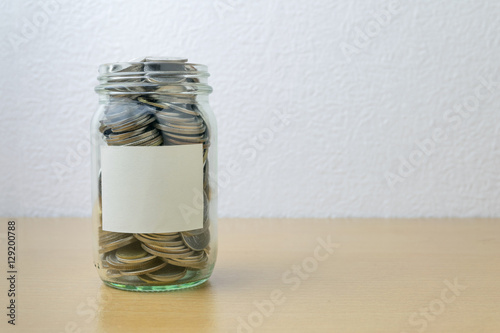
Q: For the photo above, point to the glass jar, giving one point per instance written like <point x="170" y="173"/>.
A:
<point x="154" y="162"/>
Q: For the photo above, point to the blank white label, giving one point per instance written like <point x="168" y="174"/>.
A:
<point x="152" y="189"/>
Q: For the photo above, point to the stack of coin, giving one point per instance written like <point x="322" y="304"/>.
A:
<point x="177" y="248"/>
<point x="180" y="122"/>
<point x="130" y="124"/>
<point x="131" y="260"/>
<point x="151" y="108"/>
<point x="141" y="255"/>
<point x="109" y="241"/>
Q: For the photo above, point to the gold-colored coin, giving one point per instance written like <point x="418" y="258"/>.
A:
<point x="187" y="264"/>
<point x="166" y="254"/>
<point x="174" y="244"/>
<point x="141" y="260"/>
<point x="144" y="270"/>
<point x="150" y="281"/>
<point x="113" y="262"/>
<point x="132" y="251"/>
<point x="145" y="238"/>
<point x="169" y="273"/>
<point x="169" y="249"/>
<point x="108" y="237"/>
<point x="117" y="244"/>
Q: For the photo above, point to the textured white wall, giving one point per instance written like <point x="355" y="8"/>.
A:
<point x="365" y="91"/>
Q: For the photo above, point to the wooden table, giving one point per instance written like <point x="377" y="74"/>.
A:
<point x="273" y="275"/>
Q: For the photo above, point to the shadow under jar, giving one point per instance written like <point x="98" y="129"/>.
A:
<point x="154" y="146"/>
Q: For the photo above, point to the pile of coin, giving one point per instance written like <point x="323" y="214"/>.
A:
<point x="130" y="124"/>
<point x="148" y="108"/>
<point x="153" y="257"/>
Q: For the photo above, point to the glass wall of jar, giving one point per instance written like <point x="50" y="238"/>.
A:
<point x="154" y="163"/>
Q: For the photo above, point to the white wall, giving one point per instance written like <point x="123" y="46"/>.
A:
<point x="361" y="84"/>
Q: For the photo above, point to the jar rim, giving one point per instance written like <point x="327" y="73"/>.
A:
<point x="119" y="67"/>
<point x="161" y="75"/>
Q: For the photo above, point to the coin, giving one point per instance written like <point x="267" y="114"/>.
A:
<point x="160" y="79"/>
<point x="156" y="141"/>
<point x="109" y="237"/>
<point x="126" y="67"/>
<point x="181" y="131"/>
<point x="113" y="262"/>
<point x="125" y="119"/>
<point x="144" y="259"/>
<point x="166" y="254"/>
<point x="150" y="281"/>
<point x="184" y="109"/>
<point x="132" y="251"/>
<point x="196" y="138"/>
<point x="197" y="242"/>
<point x="145" y="270"/>
<point x="116" y="244"/>
<point x="124" y="135"/>
<point x="163" y="243"/>
<point x="169" y="273"/>
<point x="152" y="237"/>
<point x="169" y="249"/>
<point x="145" y="140"/>
<point x="113" y="273"/>
<point x="164" y="66"/>
<point x="194" y="261"/>
<point x="132" y="125"/>
<point x="164" y="59"/>
<point x="165" y="234"/>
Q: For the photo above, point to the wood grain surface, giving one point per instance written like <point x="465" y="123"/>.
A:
<point x="272" y="275"/>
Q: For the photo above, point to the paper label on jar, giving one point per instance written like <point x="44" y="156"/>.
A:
<point x="152" y="189"/>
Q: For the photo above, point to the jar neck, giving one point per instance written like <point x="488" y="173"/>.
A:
<point x="154" y="78"/>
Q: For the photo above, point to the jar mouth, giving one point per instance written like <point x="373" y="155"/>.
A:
<point x="153" y="75"/>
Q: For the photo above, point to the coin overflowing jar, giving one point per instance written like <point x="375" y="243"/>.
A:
<point x="154" y="162"/>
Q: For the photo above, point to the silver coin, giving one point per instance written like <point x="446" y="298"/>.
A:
<point x="183" y="109"/>
<point x="133" y="139"/>
<point x="197" y="242"/>
<point x="145" y="141"/>
<point x="180" y="131"/>
<point x="164" y="59"/>
<point x="133" y="124"/>
<point x="125" y="121"/>
<point x="125" y="135"/>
